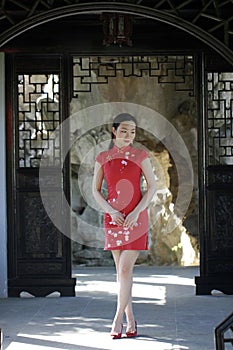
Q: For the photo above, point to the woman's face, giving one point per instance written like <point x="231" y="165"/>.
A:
<point x="124" y="134"/>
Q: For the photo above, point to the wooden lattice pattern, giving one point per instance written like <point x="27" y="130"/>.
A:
<point x="175" y="70"/>
<point x="38" y="117"/>
<point x="220" y="125"/>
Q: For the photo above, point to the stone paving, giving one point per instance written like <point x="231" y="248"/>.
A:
<point x="169" y="314"/>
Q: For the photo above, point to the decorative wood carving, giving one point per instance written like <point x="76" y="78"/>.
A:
<point x="214" y="17"/>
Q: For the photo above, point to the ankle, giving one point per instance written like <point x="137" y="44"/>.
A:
<point x="130" y="321"/>
<point x="116" y="327"/>
<point x="131" y="325"/>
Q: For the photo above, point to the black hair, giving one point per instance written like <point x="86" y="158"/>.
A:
<point x="122" y="117"/>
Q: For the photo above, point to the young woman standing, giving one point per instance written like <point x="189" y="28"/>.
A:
<point x="126" y="216"/>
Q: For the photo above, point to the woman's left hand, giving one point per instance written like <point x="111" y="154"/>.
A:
<point x="131" y="219"/>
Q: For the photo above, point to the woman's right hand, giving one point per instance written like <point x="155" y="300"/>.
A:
<point x="118" y="218"/>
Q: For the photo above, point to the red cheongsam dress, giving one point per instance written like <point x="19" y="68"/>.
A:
<point x="122" y="173"/>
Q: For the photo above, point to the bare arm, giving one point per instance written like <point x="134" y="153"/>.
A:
<point x="98" y="177"/>
<point x="147" y="170"/>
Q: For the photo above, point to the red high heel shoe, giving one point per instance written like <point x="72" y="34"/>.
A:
<point x="117" y="335"/>
<point x="132" y="334"/>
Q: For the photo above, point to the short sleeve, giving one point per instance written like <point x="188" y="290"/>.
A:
<point x="99" y="158"/>
<point x="142" y="155"/>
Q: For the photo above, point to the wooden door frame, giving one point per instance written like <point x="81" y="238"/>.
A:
<point x="23" y="269"/>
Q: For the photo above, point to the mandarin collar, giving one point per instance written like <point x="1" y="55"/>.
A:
<point x="122" y="149"/>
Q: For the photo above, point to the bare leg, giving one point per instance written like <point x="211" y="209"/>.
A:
<point x="130" y="317"/>
<point x="124" y="261"/>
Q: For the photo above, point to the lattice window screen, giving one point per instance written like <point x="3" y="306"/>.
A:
<point x="176" y="70"/>
<point x="38" y="117"/>
<point x="220" y="118"/>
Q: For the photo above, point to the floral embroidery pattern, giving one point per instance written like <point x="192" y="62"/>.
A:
<point x="119" y="154"/>
<point x="124" y="163"/>
<point x="123" y="232"/>
<point x="109" y="158"/>
<point x="119" y="165"/>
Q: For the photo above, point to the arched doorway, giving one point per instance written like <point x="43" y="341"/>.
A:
<point x="209" y="63"/>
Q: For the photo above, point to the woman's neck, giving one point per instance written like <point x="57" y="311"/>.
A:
<point x="120" y="146"/>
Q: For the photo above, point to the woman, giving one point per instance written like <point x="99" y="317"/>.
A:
<point x="126" y="217"/>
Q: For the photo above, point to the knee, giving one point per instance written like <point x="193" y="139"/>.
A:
<point x="125" y="270"/>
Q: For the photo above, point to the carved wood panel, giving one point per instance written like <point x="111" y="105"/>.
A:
<point x="214" y="17"/>
<point x="219" y="170"/>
